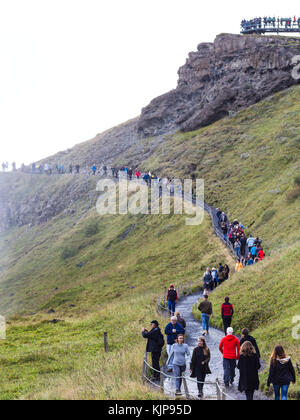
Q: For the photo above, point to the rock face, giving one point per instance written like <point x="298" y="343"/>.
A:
<point x="228" y="75"/>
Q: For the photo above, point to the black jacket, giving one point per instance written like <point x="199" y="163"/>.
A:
<point x="153" y="340"/>
<point x="252" y="341"/>
<point x="282" y="373"/>
<point x="196" y="363"/>
<point x="249" y="367"/>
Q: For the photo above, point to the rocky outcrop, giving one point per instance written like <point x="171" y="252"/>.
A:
<point x="228" y="75"/>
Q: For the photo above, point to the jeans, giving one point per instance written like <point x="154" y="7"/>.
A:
<point x="178" y="371"/>
<point x="225" y="237"/>
<point x="205" y="322"/>
<point x="284" y="391"/>
<point x="229" y="366"/>
<point x="171" y="306"/>
<point x="238" y="251"/>
<point x="169" y="349"/>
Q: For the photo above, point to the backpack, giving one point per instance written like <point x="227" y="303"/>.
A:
<point x="160" y="340"/>
<point x="172" y="295"/>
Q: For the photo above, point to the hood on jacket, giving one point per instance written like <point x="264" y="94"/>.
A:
<point x="284" y="360"/>
<point x="230" y="337"/>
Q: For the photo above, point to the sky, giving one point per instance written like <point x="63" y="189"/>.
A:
<point x="71" y="69"/>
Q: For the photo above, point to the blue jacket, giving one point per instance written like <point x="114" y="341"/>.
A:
<point x="171" y="337"/>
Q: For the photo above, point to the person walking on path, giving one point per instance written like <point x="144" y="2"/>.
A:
<point x="247" y="337"/>
<point x="178" y="353"/>
<point x="172" y="330"/>
<point x="205" y="307"/>
<point x="180" y="319"/>
<point x="215" y="277"/>
<point x="281" y="373"/>
<point x="172" y="298"/>
<point x="94" y="169"/>
<point x="226" y="313"/>
<point x="77" y="168"/>
<point x="248" y="366"/>
<point x="154" y="346"/>
<point x="237" y="247"/>
<point x="199" y="364"/>
<point x="230" y="348"/>
<point x="226" y="270"/>
<point x="238" y="265"/>
<point x="207" y="281"/>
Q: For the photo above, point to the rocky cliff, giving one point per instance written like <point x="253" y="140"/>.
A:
<point x="228" y="75"/>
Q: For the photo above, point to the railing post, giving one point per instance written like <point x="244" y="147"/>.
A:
<point x="186" y="390"/>
<point x="162" y="380"/>
<point x="218" y="389"/>
<point x="223" y="394"/>
<point x="144" y="367"/>
<point x="105" y="342"/>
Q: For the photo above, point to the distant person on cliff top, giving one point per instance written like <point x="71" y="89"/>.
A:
<point x="77" y="168"/>
<point x="94" y="169"/>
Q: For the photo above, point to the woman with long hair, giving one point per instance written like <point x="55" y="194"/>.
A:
<point x="178" y="353"/>
<point x="249" y="366"/>
<point x="281" y="373"/>
<point x="199" y="364"/>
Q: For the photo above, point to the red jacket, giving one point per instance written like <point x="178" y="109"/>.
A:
<point x="261" y="254"/>
<point x="227" y="309"/>
<point x="230" y="347"/>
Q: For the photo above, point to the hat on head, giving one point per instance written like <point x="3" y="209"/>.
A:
<point x="155" y="322"/>
<point x="171" y="285"/>
<point x="229" y="330"/>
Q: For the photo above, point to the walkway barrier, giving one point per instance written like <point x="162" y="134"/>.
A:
<point x="190" y="390"/>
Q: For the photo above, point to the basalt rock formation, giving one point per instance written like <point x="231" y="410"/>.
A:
<point x="228" y="75"/>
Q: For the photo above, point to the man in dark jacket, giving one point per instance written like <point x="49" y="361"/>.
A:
<point x="172" y="330"/>
<point x="247" y="337"/>
<point x="226" y="313"/>
<point x="154" y="346"/>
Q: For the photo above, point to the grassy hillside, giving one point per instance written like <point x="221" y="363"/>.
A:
<point x="265" y="299"/>
<point x="106" y="278"/>
<point x="127" y="262"/>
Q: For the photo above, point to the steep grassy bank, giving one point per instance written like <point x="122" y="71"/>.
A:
<point x="266" y="299"/>
<point x="126" y="262"/>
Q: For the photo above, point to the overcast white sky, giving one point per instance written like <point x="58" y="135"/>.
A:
<point x="72" y="68"/>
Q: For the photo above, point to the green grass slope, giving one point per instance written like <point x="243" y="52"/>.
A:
<point x="128" y="262"/>
<point x="251" y="167"/>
